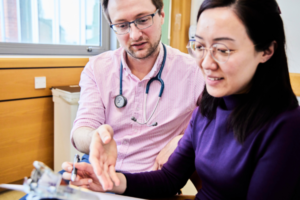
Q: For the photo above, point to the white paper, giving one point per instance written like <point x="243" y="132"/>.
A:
<point x="13" y="187"/>
<point x="107" y="196"/>
<point x="101" y="196"/>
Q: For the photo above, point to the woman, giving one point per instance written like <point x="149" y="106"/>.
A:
<point x="243" y="140"/>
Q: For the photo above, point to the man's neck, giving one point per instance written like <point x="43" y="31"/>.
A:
<point x="141" y="67"/>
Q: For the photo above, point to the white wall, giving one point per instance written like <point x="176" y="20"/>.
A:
<point x="291" y="18"/>
<point x="195" y="5"/>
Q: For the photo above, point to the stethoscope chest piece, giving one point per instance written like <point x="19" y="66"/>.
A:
<point x="120" y="101"/>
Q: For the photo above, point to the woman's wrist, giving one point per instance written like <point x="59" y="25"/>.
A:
<point x="120" y="189"/>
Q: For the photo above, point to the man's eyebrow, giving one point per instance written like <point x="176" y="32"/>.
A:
<point x="217" y="39"/>
<point x="142" y="14"/>
<point x="136" y="17"/>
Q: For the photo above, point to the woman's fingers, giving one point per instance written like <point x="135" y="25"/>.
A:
<point x="82" y="186"/>
<point x="87" y="178"/>
<point x="67" y="166"/>
<point x="86" y="186"/>
<point x="66" y="176"/>
<point x="82" y="182"/>
<point x="84" y="167"/>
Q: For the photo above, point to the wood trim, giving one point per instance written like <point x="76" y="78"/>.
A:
<point x="20" y="83"/>
<point x="26" y="135"/>
<point x="180" y="31"/>
<point x="295" y="81"/>
<point x="42" y="62"/>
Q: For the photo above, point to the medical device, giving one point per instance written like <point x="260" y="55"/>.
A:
<point x="74" y="171"/>
<point x="121" y="101"/>
<point x="46" y="184"/>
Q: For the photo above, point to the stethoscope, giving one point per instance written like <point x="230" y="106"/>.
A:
<point x="121" y="101"/>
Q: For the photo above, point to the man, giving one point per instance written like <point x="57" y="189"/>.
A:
<point x="137" y="25"/>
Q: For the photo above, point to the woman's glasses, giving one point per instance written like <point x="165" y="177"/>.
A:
<point x="219" y="52"/>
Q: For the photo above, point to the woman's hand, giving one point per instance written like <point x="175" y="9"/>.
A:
<point x="85" y="178"/>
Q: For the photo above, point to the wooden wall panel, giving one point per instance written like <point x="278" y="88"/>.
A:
<point x="19" y="83"/>
<point x="26" y="135"/>
<point x="295" y="81"/>
<point x="180" y="25"/>
<point x="42" y="62"/>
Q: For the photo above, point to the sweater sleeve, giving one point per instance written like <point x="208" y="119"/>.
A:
<point x="277" y="172"/>
<point x="173" y="175"/>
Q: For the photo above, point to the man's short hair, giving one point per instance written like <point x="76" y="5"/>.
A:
<point x="159" y="4"/>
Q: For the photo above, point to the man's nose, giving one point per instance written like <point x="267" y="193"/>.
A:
<point x="135" y="33"/>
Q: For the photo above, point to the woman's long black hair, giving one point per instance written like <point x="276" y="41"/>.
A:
<point x="271" y="92"/>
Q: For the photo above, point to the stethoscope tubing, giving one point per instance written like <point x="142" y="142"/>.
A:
<point x="156" y="78"/>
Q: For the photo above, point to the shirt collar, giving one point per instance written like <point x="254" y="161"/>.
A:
<point x="156" y="67"/>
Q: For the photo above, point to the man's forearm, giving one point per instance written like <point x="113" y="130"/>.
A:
<point x="82" y="138"/>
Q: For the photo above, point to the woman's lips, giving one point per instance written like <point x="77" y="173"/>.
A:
<point x="213" y="80"/>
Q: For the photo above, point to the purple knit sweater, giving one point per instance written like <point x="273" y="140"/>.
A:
<point x="265" y="166"/>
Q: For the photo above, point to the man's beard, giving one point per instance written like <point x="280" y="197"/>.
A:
<point x="150" y="51"/>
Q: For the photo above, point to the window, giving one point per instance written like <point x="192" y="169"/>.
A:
<point x="53" y="27"/>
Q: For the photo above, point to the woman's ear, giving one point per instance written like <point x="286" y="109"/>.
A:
<point x="268" y="53"/>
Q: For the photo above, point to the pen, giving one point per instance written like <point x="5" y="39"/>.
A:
<point x="74" y="171"/>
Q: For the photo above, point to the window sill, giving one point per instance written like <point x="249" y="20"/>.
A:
<point x="38" y="62"/>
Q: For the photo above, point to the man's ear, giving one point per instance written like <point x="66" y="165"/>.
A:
<point x="268" y="53"/>
<point x="162" y="14"/>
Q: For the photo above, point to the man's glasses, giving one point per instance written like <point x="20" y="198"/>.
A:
<point x="219" y="52"/>
<point x="140" y="23"/>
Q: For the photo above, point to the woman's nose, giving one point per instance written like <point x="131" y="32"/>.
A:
<point x="208" y="62"/>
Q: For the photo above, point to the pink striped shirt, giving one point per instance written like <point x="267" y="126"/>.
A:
<point x="138" y="145"/>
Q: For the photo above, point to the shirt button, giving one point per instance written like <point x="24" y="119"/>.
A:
<point x="137" y="108"/>
<point x="140" y="84"/>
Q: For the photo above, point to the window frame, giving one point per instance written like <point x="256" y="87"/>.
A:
<point x="7" y="48"/>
